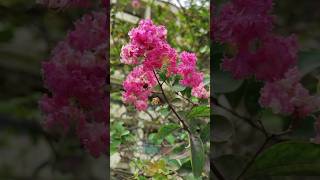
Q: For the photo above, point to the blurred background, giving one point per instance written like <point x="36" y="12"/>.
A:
<point x="28" y="32"/>
<point x="235" y="142"/>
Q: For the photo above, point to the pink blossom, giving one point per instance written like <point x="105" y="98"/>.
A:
<point x="162" y="54"/>
<point x="247" y="25"/>
<point x="90" y="32"/>
<point x="242" y="21"/>
<point x="76" y="77"/>
<point x="130" y="54"/>
<point x="239" y="65"/>
<point x="187" y="69"/>
<point x="135" y="4"/>
<point x="149" y="50"/>
<point x="274" y="58"/>
<point x="147" y="35"/>
<point x="138" y="86"/>
<point x="94" y="137"/>
<point x="288" y="96"/>
<point x="200" y="91"/>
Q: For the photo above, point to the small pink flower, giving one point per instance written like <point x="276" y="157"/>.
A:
<point x="130" y="54"/>
<point x="288" y="96"/>
<point x="138" y="86"/>
<point x="141" y="105"/>
<point x="200" y="92"/>
<point x="135" y="4"/>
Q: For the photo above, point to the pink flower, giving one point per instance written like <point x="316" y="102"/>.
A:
<point x="138" y="86"/>
<point x="239" y="65"/>
<point x="188" y="63"/>
<point x="200" y="92"/>
<point x="94" y="137"/>
<point x="141" y="105"/>
<point x="135" y="4"/>
<point x="147" y="35"/>
<point x="187" y="69"/>
<point x="76" y="77"/>
<point x="130" y="54"/>
<point x="90" y="32"/>
<point x="274" y="58"/>
<point x="242" y="21"/>
<point x="192" y="80"/>
<point x="149" y="48"/>
<point x="288" y="96"/>
<point x="162" y="54"/>
<point x="247" y="25"/>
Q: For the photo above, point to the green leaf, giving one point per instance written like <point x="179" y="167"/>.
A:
<point x="308" y="61"/>
<point x="178" y="88"/>
<point x="222" y="128"/>
<point x="199" y="111"/>
<point x="223" y="82"/>
<point x="230" y="165"/>
<point x="162" y="76"/>
<point x="197" y="155"/>
<point x="289" y="158"/>
<point x="167" y="129"/>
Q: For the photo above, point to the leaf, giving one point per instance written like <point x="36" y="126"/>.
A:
<point x="223" y="82"/>
<point x="308" y="61"/>
<point x="289" y="158"/>
<point x="199" y="111"/>
<point x="230" y="165"/>
<point x="197" y="155"/>
<point x="167" y="129"/>
<point x="162" y="76"/>
<point x="222" y="128"/>
<point x="6" y="33"/>
<point x="178" y="88"/>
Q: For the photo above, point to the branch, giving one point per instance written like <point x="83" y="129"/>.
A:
<point x="255" y="156"/>
<point x="216" y="172"/>
<point x="184" y="125"/>
<point x="268" y="139"/>
<point x="259" y="127"/>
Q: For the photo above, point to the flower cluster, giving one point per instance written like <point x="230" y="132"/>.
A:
<point x="149" y="50"/>
<point x="246" y="25"/>
<point x="76" y="77"/>
<point x="288" y="96"/>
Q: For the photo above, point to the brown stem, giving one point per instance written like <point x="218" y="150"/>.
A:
<point x="269" y="138"/>
<point x="247" y="120"/>
<point x="216" y="172"/>
<point x="255" y="156"/>
<point x="184" y="125"/>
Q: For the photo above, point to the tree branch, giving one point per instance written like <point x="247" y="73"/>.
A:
<point x="184" y="124"/>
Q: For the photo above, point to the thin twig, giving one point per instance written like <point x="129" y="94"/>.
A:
<point x="184" y="124"/>
<point x="248" y="120"/>
<point x="216" y="171"/>
<point x="268" y="139"/>
<point x="255" y="156"/>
